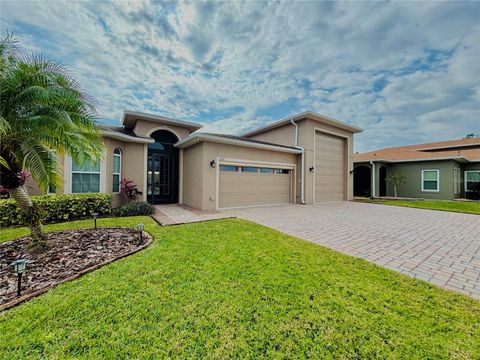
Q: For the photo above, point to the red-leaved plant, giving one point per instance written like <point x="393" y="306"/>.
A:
<point x="129" y="188"/>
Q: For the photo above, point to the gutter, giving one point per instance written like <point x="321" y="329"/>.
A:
<point x="197" y="137"/>
<point x="302" y="176"/>
<point x="127" y="138"/>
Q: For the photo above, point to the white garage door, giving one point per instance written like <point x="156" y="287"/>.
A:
<point x="330" y="169"/>
<point x="249" y="186"/>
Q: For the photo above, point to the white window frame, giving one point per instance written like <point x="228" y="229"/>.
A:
<point x="438" y="180"/>
<point x="465" y="179"/>
<point x="115" y="173"/>
<point x="85" y="172"/>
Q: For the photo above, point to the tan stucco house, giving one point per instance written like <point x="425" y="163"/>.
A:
<point x="306" y="158"/>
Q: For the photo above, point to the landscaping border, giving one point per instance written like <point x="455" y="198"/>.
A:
<point x="34" y="294"/>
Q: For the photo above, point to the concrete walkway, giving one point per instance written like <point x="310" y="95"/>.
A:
<point x="174" y="214"/>
<point x="442" y="248"/>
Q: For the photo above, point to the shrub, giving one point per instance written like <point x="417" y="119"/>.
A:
<point x="56" y="208"/>
<point x="133" y="209"/>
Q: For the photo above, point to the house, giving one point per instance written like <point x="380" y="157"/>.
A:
<point x="306" y="158"/>
<point x="441" y="170"/>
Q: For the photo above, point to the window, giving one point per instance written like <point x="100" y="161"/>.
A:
<point x="228" y="168"/>
<point x="86" y="178"/>
<point x="281" y="171"/>
<point x="117" y="169"/>
<point x="472" y="180"/>
<point x="430" y="180"/>
<point x="266" y="170"/>
<point x="249" y="169"/>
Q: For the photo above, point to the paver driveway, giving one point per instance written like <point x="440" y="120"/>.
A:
<point x="440" y="247"/>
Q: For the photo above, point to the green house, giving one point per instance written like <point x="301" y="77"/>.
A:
<point x="443" y="170"/>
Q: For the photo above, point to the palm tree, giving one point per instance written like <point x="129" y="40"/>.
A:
<point x="42" y="110"/>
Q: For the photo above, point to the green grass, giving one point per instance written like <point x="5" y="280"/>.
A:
<point x="469" y="207"/>
<point x="234" y="289"/>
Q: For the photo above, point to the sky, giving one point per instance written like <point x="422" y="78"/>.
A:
<point x="406" y="72"/>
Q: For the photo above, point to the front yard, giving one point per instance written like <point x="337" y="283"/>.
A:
<point x="231" y="288"/>
<point x="468" y="207"/>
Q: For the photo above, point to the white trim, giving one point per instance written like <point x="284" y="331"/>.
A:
<point x="196" y="137"/>
<point x="346" y="186"/>
<point x="103" y="172"/>
<point x="465" y="178"/>
<point x="117" y="173"/>
<point x="127" y="138"/>
<point x="438" y="180"/>
<point x="239" y="162"/>
<point x="309" y="115"/>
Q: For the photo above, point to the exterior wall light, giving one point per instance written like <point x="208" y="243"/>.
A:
<point x="19" y="266"/>
<point x="95" y="216"/>
<point x="352" y="172"/>
<point x="311" y="169"/>
<point x="212" y="163"/>
<point x="140" y="228"/>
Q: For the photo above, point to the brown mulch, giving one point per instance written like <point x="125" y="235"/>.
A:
<point x="69" y="253"/>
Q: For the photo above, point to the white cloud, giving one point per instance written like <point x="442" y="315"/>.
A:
<point x="404" y="71"/>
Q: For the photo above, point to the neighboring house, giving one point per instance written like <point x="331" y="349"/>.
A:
<point x="441" y="170"/>
<point x="306" y="158"/>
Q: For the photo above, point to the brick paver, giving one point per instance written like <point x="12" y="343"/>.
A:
<point x="436" y="246"/>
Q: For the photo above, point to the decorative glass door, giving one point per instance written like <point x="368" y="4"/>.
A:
<point x="160" y="178"/>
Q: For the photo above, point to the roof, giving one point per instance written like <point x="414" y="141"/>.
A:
<point x="130" y="118"/>
<point x="120" y="133"/>
<point x="234" y="140"/>
<point x="305" y="115"/>
<point x="463" y="150"/>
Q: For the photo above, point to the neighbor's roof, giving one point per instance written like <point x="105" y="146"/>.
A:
<point x="120" y="133"/>
<point x="305" y="115"/>
<point x="234" y="140"/>
<point x="130" y="118"/>
<point x="463" y="150"/>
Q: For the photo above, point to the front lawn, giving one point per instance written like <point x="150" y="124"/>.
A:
<point x="231" y="288"/>
<point x="470" y="207"/>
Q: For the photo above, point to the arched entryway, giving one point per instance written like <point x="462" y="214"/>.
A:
<point x="382" y="178"/>
<point x="162" y="168"/>
<point x="362" y="181"/>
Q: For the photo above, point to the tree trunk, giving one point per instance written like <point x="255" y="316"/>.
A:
<point x="31" y="216"/>
<point x="395" y="190"/>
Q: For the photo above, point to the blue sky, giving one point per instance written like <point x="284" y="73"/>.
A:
<point x="406" y="72"/>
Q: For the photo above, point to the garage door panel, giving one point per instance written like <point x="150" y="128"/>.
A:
<point x="330" y="173"/>
<point x="238" y="189"/>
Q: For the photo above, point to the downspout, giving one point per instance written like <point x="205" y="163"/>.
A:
<point x="372" y="195"/>
<point x="302" y="172"/>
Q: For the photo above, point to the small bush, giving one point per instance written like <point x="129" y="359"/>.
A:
<point x="133" y="209"/>
<point x="58" y="208"/>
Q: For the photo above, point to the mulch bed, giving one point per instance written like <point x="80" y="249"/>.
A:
<point x="70" y="254"/>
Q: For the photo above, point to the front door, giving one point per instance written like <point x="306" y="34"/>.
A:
<point x="161" y="175"/>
